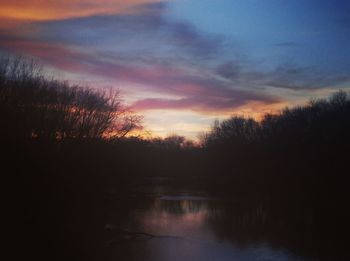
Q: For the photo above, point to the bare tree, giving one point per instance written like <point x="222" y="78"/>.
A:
<point x="33" y="106"/>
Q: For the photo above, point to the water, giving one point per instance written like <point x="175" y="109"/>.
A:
<point x="164" y="224"/>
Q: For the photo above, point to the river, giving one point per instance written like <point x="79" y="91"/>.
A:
<point x="160" y="223"/>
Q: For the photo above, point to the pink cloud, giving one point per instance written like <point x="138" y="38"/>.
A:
<point x="198" y="93"/>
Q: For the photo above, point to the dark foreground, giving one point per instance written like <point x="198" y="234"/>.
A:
<point x="175" y="219"/>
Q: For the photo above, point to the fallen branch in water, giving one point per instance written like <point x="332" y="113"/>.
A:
<point x="126" y="234"/>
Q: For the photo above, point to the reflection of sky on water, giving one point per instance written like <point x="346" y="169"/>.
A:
<point x="191" y="236"/>
<point x="181" y="218"/>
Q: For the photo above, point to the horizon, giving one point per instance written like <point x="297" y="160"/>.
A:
<point x="183" y="64"/>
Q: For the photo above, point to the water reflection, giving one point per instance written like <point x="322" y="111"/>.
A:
<point x="196" y="228"/>
<point x="183" y="217"/>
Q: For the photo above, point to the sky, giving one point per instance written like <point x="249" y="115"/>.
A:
<point x="184" y="63"/>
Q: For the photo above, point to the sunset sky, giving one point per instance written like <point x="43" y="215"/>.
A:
<point x="184" y="63"/>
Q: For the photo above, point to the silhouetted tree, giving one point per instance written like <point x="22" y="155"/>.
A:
<point x="31" y="106"/>
<point x="235" y="131"/>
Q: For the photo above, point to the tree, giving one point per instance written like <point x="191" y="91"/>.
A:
<point x="32" y="106"/>
<point x="233" y="131"/>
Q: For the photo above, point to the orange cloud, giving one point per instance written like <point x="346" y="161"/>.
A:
<point x="53" y="10"/>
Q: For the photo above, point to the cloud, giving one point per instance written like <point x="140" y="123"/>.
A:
<point x="60" y="56"/>
<point x="285" y="76"/>
<point x="120" y="35"/>
<point x="54" y="10"/>
<point x="230" y="70"/>
<point x="123" y="33"/>
<point x="191" y="90"/>
<point x="206" y="104"/>
<point x="303" y="78"/>
<point x="150" y="7"/>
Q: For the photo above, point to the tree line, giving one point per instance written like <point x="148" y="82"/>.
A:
<point x="37" y="109"/>
<point x="321" y="121"/>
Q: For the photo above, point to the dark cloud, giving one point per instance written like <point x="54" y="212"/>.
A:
<point x="286" y="76"/>
<point x="155" y="7"/>
<point x="147" y="32"/>
<point x="303" y="78"/>
<point x="230" y="70"/>
<point x="200" y="46"/>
